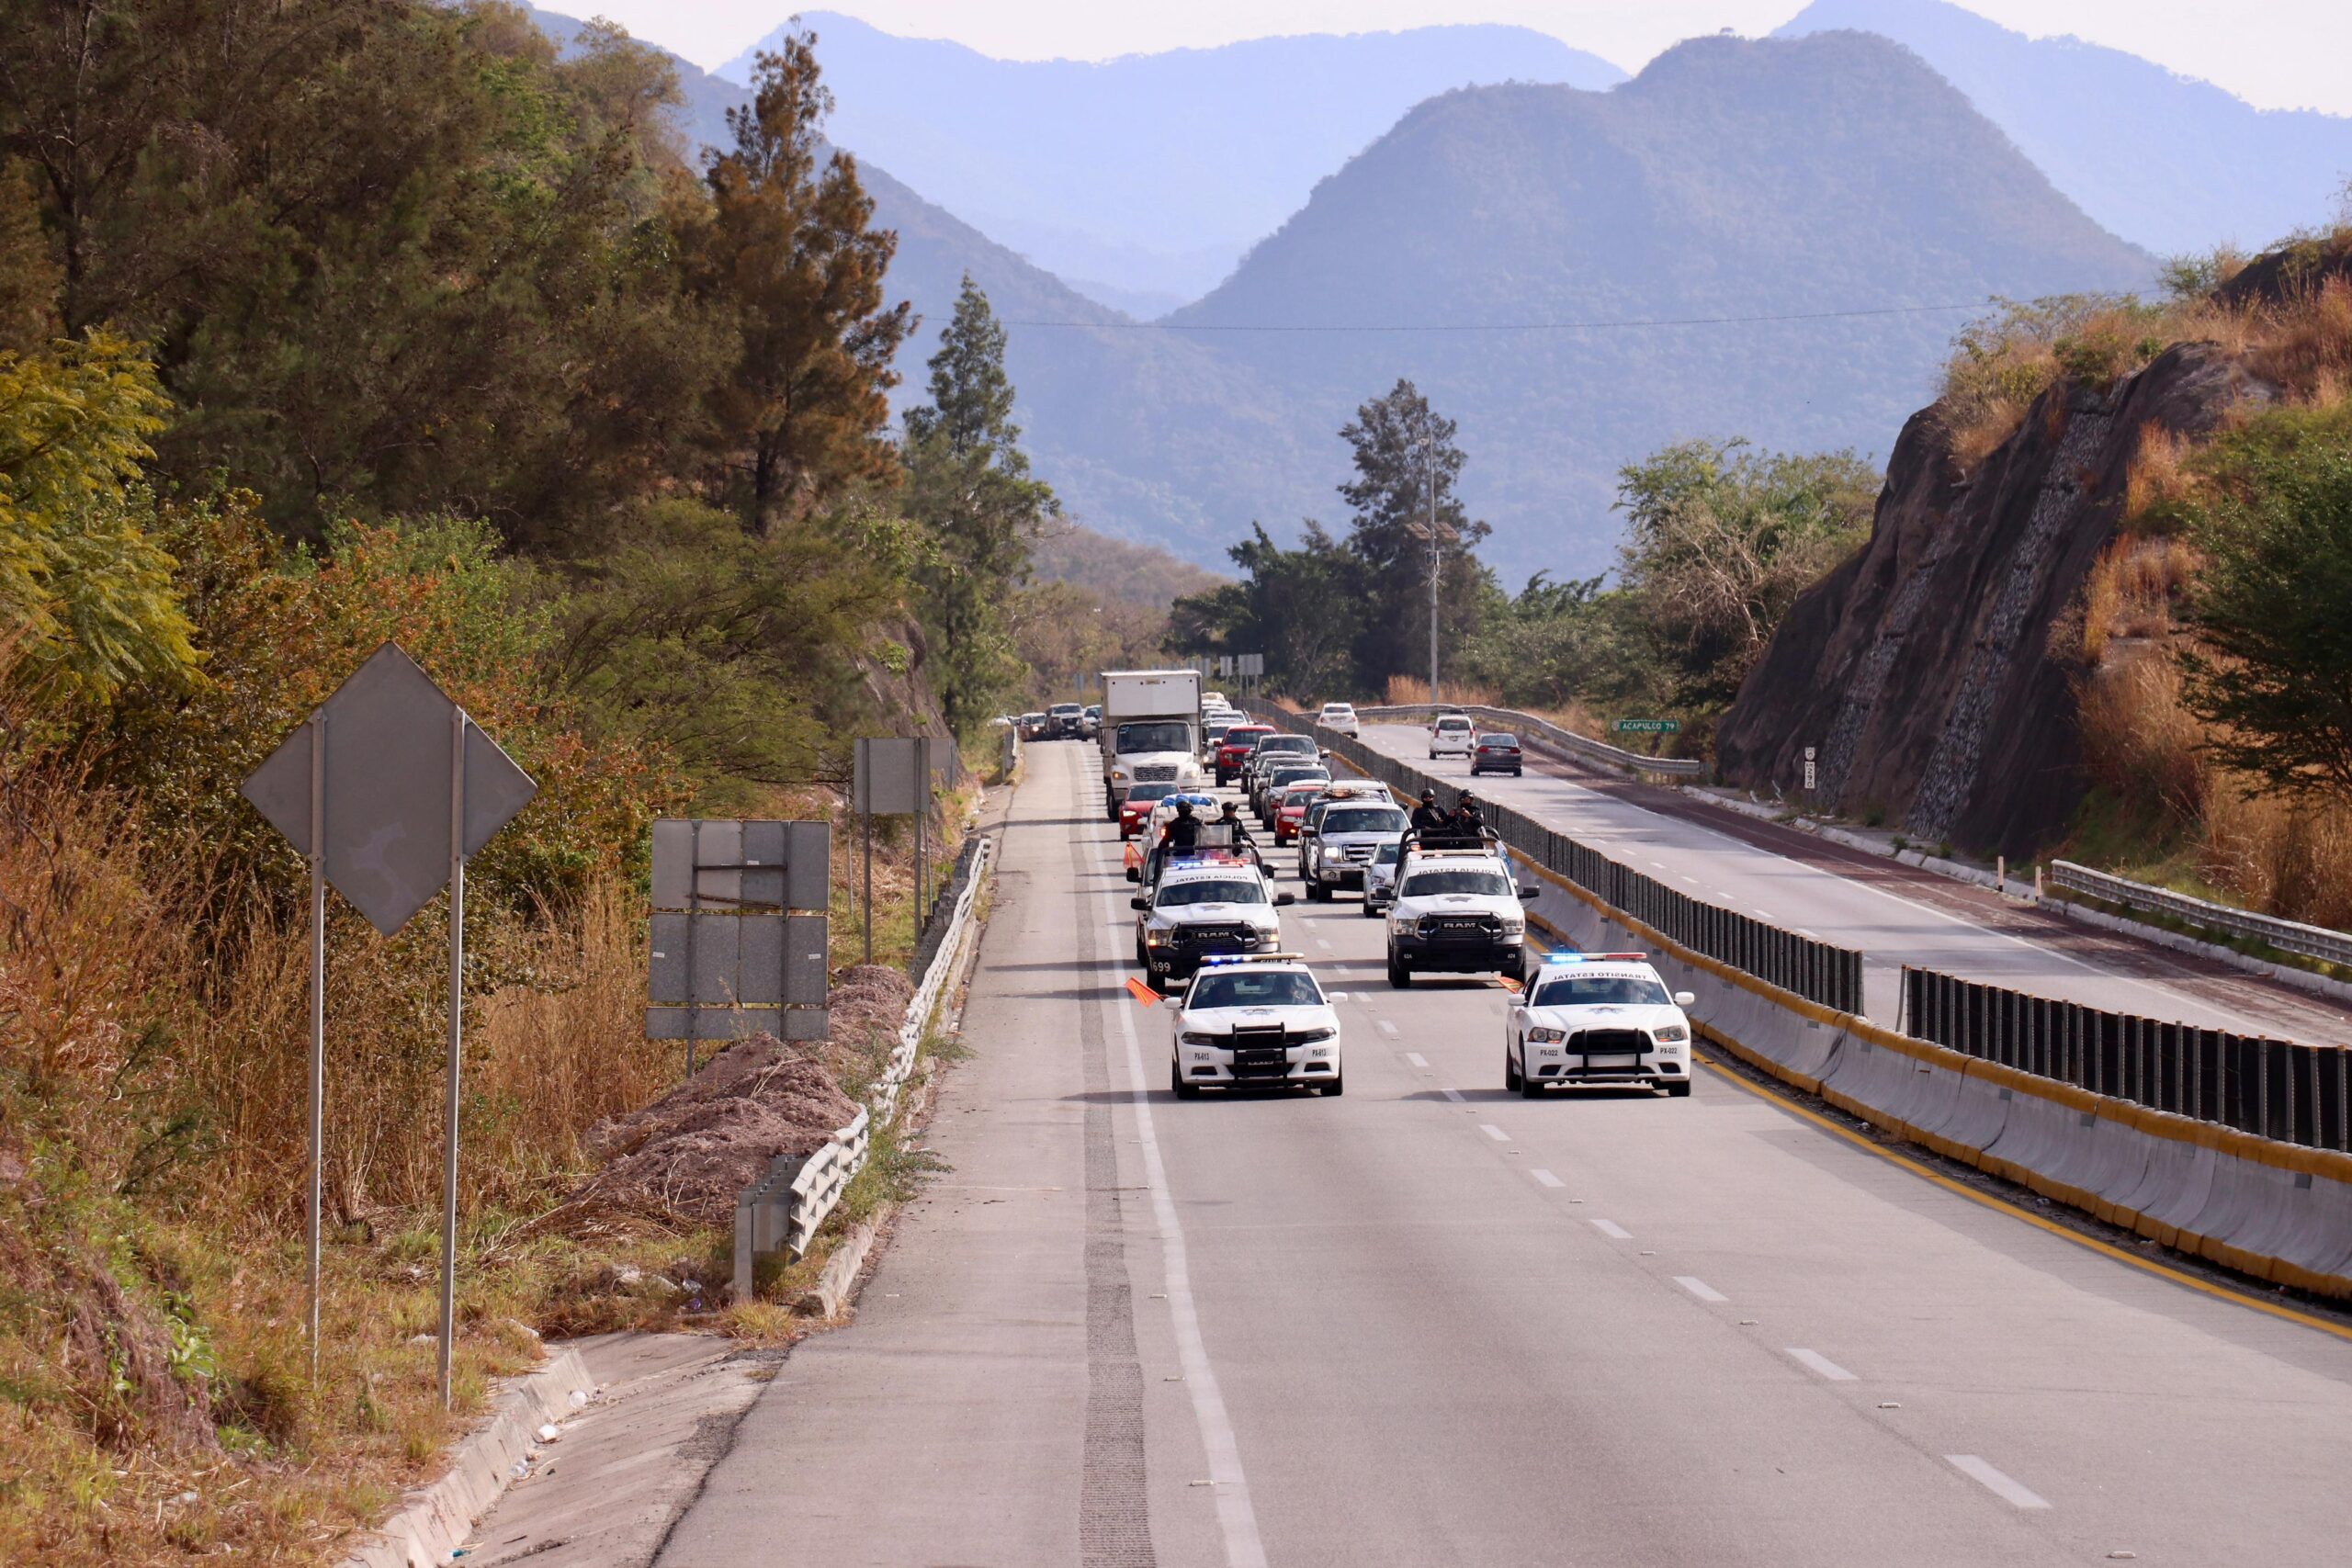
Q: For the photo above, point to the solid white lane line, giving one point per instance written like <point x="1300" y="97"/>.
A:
<point x="1545" y="1178"/>
<point x="1236" y="1517"/>
<point x="1417" y="1058"/>
<point x="1494" y="1132"/>
<point x="1386" y="1027"/>
<point x="1700" y="1288"/>
<point x="1822" y="1364"/>
<point x="1452" y="1094"/>
<point x="2007" y="1489"/>
<point x="1616" y="1232"/>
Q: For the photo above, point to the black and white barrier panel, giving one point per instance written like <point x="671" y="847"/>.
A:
<point x="2273" y="1089"/>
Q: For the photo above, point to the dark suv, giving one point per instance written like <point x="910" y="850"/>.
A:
<point x="1497" y="753"/>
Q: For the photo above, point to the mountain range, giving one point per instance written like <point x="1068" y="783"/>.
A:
<point x="2167" y="162"/>
<point x="1800" y="210"/>
<point x="1141" y="180"/>
<point x="1593" y="258"/>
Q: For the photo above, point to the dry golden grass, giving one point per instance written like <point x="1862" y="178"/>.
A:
<point x="152" y="1079"/>
<point x="1999" y="366"/>
<point x="2280" y="857"/>
<point x="2135" y="590"/>
<point x="2305" y="343"/>
<point x="2157" y="478"/>
<point x="2144" y="748"/>
<point x="1408" y="690"/>
<point x="2138" y="740"/>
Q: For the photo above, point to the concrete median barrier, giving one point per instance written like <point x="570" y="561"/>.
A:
<point x="2278" y="1211"/>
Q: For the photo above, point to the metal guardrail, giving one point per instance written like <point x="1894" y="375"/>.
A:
<point x="2273" y="1089"/>
<point x="2287" y="936"/>
<point x="782" y="1211"/>
<point x="1813" y="970"/>
<point x="1556" y="738"/>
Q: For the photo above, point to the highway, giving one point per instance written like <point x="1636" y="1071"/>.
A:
<point x="1433" y="1324"/>
<point x="1892" y="913"/>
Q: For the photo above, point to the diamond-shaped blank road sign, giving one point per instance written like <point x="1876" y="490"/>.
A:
<point x="389" y="731"/>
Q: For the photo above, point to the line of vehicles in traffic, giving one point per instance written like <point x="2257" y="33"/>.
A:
<point x="1244" y="1008"/>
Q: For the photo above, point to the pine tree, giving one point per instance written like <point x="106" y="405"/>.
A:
<point x="1407" y="464"/>
<point x="968" y="483"/>
<point x="790" y="250"/>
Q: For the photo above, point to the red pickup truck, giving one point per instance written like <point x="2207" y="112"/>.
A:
<point x="1237" y="745"/>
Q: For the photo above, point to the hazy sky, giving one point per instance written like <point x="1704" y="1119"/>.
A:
<point x="2276" y="53"/>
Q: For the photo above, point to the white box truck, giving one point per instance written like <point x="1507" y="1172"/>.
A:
<point x="1151" y="730"/>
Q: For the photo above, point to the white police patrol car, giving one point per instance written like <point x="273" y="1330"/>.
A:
<point x="1258" y="1020"/>
<point x="1597" y="1018"/>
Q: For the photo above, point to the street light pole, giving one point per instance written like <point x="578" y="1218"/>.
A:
<point x="1429" y="464"/>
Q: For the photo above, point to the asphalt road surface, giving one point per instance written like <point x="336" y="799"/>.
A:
<point x="1429" y="1322"/>
<point x="1893" y="914"/>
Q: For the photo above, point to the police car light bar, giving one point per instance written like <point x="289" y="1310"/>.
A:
<point x="1222" y="958"/>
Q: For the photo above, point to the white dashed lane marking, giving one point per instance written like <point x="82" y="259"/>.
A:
<point x="1700" y="1288"/>
<point x="1822" y="1364"/>
<point x="1494" y="1132"/>
<point x="1417" y="1058"/>
<point x="1545" y="1178"/>
<point x="1452" y="1094"/>
<point x="1612" y="1230"/>
<point x="1386" y="1027"/>
<point x="2008" y="1490"/>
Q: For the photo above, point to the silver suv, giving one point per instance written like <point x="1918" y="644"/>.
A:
<point x="1339" y="840"/>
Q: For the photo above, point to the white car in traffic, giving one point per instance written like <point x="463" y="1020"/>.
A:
<point x="1254" y="1021"/>
<point x="1604" y="1018"/>
<point x="1341" y="717"/>
<point x="1451" y="735"/>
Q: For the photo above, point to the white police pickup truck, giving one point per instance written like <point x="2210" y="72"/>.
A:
<point x="1456" y="911"/>
<point x="1205" y="908"/>
<point x="1597" y="1018"/>
<point x="1257" y="1019"/>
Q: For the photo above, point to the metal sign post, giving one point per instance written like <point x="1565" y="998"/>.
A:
<point x="389" y="790"/>
<point x="318" y="858"/>
<point x="891" y="778"/>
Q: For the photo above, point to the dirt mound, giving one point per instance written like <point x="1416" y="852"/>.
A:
<point x="683" y="1159"/>
<point x="867" y="1004"/>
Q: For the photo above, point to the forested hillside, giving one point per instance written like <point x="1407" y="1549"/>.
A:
<point x="353" y="321"/>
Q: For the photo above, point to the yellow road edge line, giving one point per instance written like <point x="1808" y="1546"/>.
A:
<point x="2219" y="1139"/>
<point x="2147" y="1265"/>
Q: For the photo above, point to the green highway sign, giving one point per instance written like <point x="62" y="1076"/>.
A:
<point x="1647" y="726"/>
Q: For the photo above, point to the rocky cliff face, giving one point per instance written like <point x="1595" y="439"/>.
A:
<point x="1921" y="671"/>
